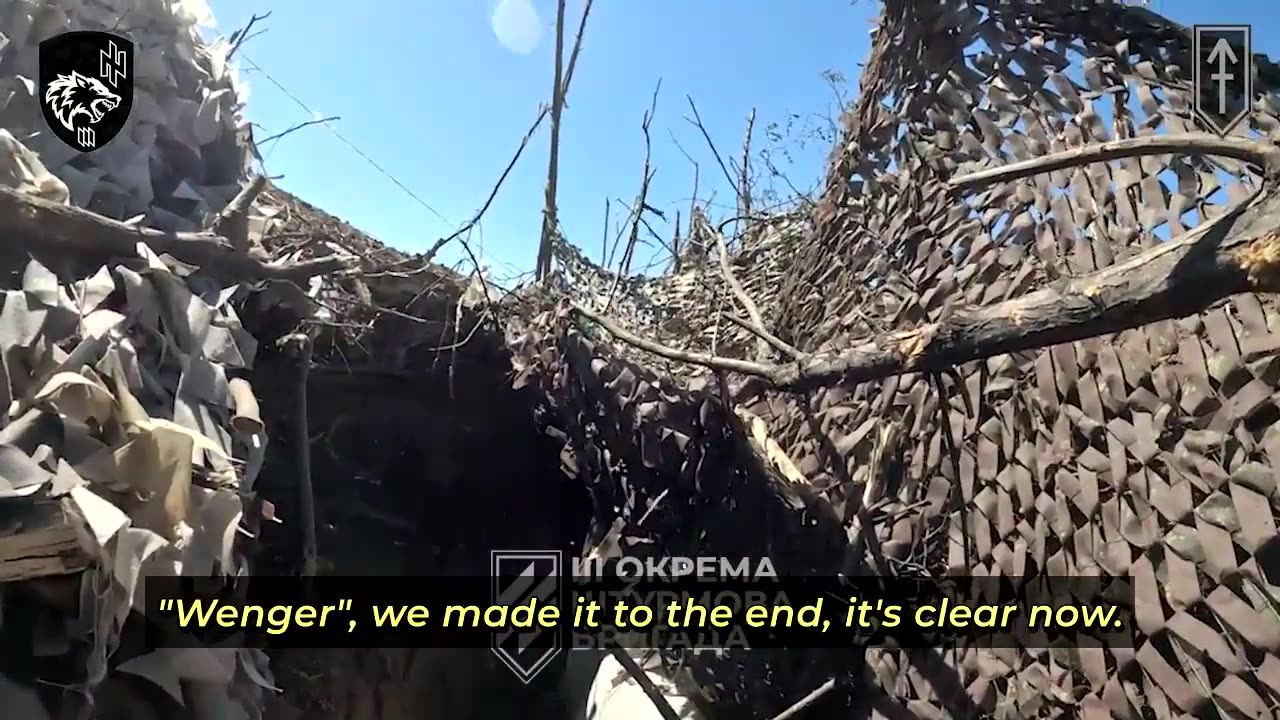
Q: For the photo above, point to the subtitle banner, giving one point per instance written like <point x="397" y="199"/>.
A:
<point x="532" y="606"/>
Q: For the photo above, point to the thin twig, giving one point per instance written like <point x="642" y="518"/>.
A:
<point x="633" y="238"/>
<point x="739" y="218"/>
<point x="653" y="505"/>
<point x="675" y="246"/>
<point x="806" y="701"/>
<point x="638" y="208"/>
<point x="697" y="121"/>
<point x="299" y="126"/>
<point x="619" y="228"/>
<point x="693" y="199"/>
<point x="804" y="198"/>
<point x="693" y="212"/>
<point x="249" y="37"/>
<point x="604" y="241"/>
<point x="744" y="193"/>
<point x="662" y="243"/>
<point x="453" y="346"/>
<point x="238" y="38"/>
<point x="577" y="48"/>
<point x="778" y="343"/>
<point x="715" y="362"/>
<point x="484" y="284"/>
<point x="493" y="193"/>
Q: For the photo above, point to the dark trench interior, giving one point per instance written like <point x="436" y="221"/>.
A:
<point x="415" y="473"/>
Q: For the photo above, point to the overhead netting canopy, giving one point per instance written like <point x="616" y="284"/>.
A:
<point x="1148" y="456"/>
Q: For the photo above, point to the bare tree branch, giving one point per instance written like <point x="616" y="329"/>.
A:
<point x="778" y="343"/>
<point x="232" y="221"/>
<point x="1235" y="253"/>
<point x="1263" y="155"/>
<point x="739" y="292"/>
<point x="604" y="241"/>
<point x="577" y="48"/>
<point x="803" y="198"/>
<point x="744" y="367"/>
<point x="30" y="220"/>
<point x="493" y="193"/>
<point x="550" y="221"/>
<point x="619" y="228"/>
<point x="693" y="199"/>
<point x="675" y="246"/>
<point x="299" y="126"/>
<point x="238" y="38"/>
<point x="637" y="210"/>
<point x="697" y="121"/>
<point x="744" y="182"/>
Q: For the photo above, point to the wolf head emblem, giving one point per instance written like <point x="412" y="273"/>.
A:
<point x="75" y="95"/>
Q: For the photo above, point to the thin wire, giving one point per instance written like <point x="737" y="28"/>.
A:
<point x="345" y="141"/>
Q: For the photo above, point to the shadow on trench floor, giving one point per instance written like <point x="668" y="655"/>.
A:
<point x="413" y="480"/>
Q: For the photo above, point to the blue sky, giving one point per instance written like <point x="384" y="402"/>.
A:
<point x="428" y="91"/>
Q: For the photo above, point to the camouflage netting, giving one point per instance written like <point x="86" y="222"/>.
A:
<point x="679" y="308"/>
<point x="121" y="455"/>
<point x="185" y="147"/>
<point x="1150" y="455"/>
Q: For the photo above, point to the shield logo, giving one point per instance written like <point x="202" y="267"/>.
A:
<point x="518" y="576"/>
<point x="86" y="86"/>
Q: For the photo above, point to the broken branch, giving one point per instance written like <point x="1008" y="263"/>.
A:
<point x="38" y="221"/>
<point x="1264" y="156"/>
<point x="549" y="220"/>
<point x="232" y="222"/>
<point x="550" y="223"/>
<point x="238" y="38"/>
<point x="757" y="320"/>
<point x="577" y="48"/>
